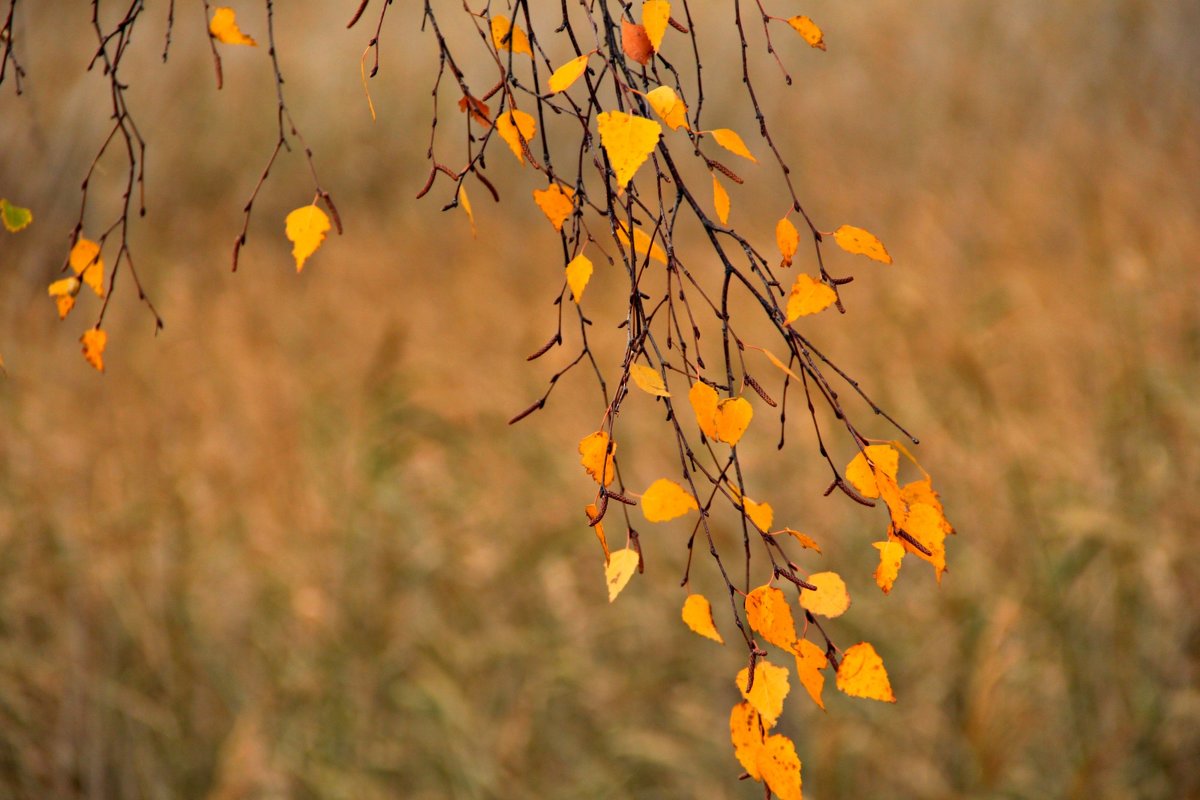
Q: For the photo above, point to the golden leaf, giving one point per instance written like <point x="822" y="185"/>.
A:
<point x="809" y="30"/>
<point x="779" y="767"/>
<point x="579" y="272"/>
<point x="224" y="28"/>
<point x="732" y="142"/>
<point x="665" y="500"/>
<point x="891" y="553"/>
<point x="668" y="106"/>
<point x="770" y="614"/>
<point x="556" y="203"/>
<point x="518" y="42"/>
<point x="804" y="539"/>
<point x="636" y="43"/>
<point x="927" y="525"/>
<point x="513" y="126"/>
<point x="776" y="362"/>
<point x="64" y="291"/>
<point x="862" y="674"/>
<point x="13" y="217"/>
<point x="788" y="239"/>
<point x="704" y="401"/>
<point x="619" y="570"/>
<point x="830" y="599"/>
<point x="628" y="141"/>
<point x="656" y="14"/>
<point x="809" y="296"/>
<point x="860" y="242"/>
<point x="733" y="417"/>
<point x="746" y="733"/>
<point x="768" y="692"/>
<point x="306" y="228"/>
<point x="85" y="260"/>
<point x="465" y="202"/>
<point x="697" y="615"/>
<point x="568" y="73"/>
<point x="720" y="201"/>
<point x="94" y="341"/>
<point x="641" y="243"/>
<point x="648" y="380"/>
<point x="810" y="660"/>
<point x="872" y="465"/>
<point x="596" y="456"/>
<point x="591" y="512"/>
<point x="761" y="514"/>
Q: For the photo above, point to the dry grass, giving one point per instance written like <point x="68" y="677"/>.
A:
<point x="290" y="549"/>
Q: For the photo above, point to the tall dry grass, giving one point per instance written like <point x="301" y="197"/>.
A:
<point x="289" y="548"/>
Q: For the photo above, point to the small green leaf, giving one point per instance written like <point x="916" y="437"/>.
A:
<point x="14" y="217"/>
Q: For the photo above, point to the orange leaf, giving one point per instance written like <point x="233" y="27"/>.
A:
<point x="579" y="272"/>
<point x="779" y="767"/>
<point x="665" y="500"/>
<point x="479" y="110"/>
<point x="518" y="42"/>
<point x="515" y="126"/>
<point x="810" y="660"/>
<point x="732" y="142"/>
<point x="568" y="73"/>
<point x="305" y="229"/>
<point x="628" y="141"/>
<point x="655" y="16"/>
<point x="556" y="203"/>
<point x="861" y="242"/>
<point x="809" y="30"/>
<point x="890" y="555"/>
<point x="63" y="291"/>
<point x="720" y="201"/>
<point x="224" y="28"/>
<point x="704" y="401"/>
<point x="648" y="380"/>
<point x="596" y="456"/>
<point x="862" y="674"/>
<point x="94" y="341"/>
<point x="768" y="692"/>
<point x="635" y="42"/>
<point x="746" y="733"/>
<point x="697" y="614"/>
<point x="85" y="260"/>
<point x="830" y="599"/>
<point x="770" y="614"/>
<point x="788" y="239"/>
<point x="591" y="512"/>
<point x="620" y="568"/>
<point x="804" y="539"/>
<point x="465" y="202"/>
<point x="809" y="296"/>
<point x="641" y="243"/>
<point x="761" y="514"/>
<point x="870" y="466"/>
<point x="668" y="106"/>
<point x="926" y="524"/>
<point x="733" y="417"/>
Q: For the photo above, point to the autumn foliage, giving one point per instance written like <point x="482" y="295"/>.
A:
<point x="602" y="107"/>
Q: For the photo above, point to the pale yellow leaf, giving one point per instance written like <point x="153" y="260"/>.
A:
<point x="808" y="296"/>
<point x="305" y="229"/>
<point x="732" y="142"/>
<point x="830" y="599"/>
<point x="620" y="568"/>
<point x="628" y="141"/>
<point x="579" y="272"/>
<point x="648" y="380"/>
<point x="224" y="28"/>
<point x="697" y="615"/>
<point x="665" y="500"/>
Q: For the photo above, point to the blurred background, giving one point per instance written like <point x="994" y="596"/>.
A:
<point x="289" y="548"/>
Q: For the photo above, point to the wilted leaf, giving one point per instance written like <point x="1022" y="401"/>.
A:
<point x="768" y="692"/>
<point x="697" y="614"/>
<point x="306" y="228"/>
<point x="479" y="110"/>
<point x="891" y="553"/>
<point x="655" y="16"/>
<point x="704" y="401"/>
<point x="810" y="660"/>
<point x="64" y="291"/>
<point x="770" y="614"/>
<point x="788" y="239"/>
<point x="224" y="28"/>
<point x="579" y="272"/>
<point x="746" y="733"/>
<point x="668" y="106"/>
<point x="830" y="599"/>
<point x="761" y="514"/>
<point x="628" y="141"/>
<point x="720" y="201"/>
<point x="809" y="30"/>
<point x="597" y="457"/>
<point x="648" y="380"/>
<point x="465" y="202"/>
<point x="620" y="568"/>
<point x="732" y="142"/>
<point x="862" y="674"/>
<point x="591" y="512"/>
<point x="808" y="296"/>
<point x="665" y="500"/>
<point x="641" y="243"/>
<point x="870" y="466"/>
<point x="513" y="126"/>
<point x="518" y="42"/>
<point x="568" y="73"/>
<point x="85" y="260"/>
<point x="635" y="42"/>
<point x="804" y="539"/>
<point x="779" y="767"/>
<point x="556" y="203"/>
<point x="861" y="242"/>
<point x="733" y="417"/>
<point x="13" y="217"/>
<point x="94" y="341"/>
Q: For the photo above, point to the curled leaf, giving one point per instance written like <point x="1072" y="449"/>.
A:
<point x="224" y="28"/>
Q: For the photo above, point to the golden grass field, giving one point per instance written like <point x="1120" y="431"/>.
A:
<point x="289" y="548"/>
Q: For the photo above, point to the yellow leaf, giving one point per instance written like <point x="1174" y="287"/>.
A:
<point x="858" y="241"/>
<point x="94" y="341"/>
<point x="788" y="239"/>
<point x="830" y="599"/>
<point x="628" y="141"/>
<point x="668" y="106"/>
<point x="761" y="514"/>
<point x="776" y="362"/>
<point x="306" y="228"/>
<point x="770" y="614"/>
<point x="648" y="380"/>
<point x="591" y="512"/>
<point x="568" y="73"/>
<point x="891" y="553"/>
<point x="518" y="42"/>
<point x="926" y="524"/>
<point x="224" y="28"/>
<point x="704" y="403"/>
<point x="596" y="456"/>
<point x="64" y="291"/>
<point x="88" y="265"/>
<point x="720" y="201"/>
<point x="779" y="767"/>
<point x="768" y="692"/>
<point x="922" y="492"/>
<point x="746" y="733"/>
<point x="513" y="126"/>
<point x="14" y="218"/>
<point x="465" y="202"/>
<point x="579" y="272"/>
<point x="619" y="570"/>
<point x="804" y="539"/>
<point x="809" y="30"/>
<point x="635" y="42"/>
<point x="556" y="203"/>
<point x="697" y="614"/>
<point x="641" y="243"/>
<point x="732" y="142"/>
<point x="810" y="660"/>
<point x="809" y="296"/>
<point x="733" y="417"/>
<point x="872" y="465"/>
<point x="655" y="16"/>
<point x="665" y="500"/>
<point x="862" y="674"/>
